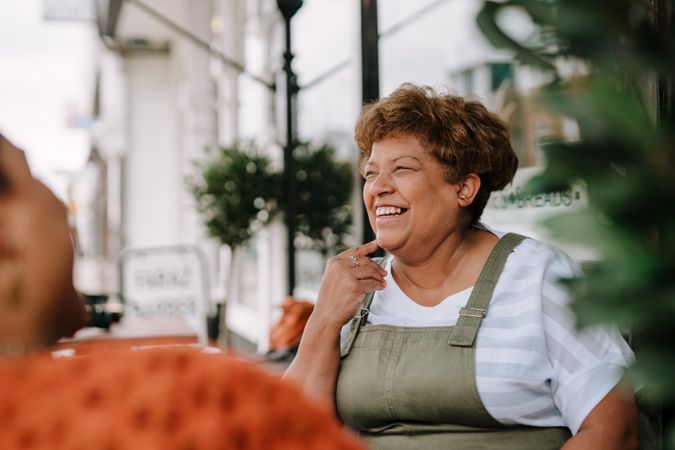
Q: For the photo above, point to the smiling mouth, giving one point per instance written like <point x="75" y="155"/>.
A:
<point x="389" y="211"/>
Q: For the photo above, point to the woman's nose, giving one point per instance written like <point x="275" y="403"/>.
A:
<point x="382" y="184"/>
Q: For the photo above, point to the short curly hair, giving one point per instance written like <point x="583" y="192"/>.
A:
<point x="461" y="134"/>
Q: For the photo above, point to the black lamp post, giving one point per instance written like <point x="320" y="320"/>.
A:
<point x="288" y="8"/>
<point x="370" y="79"/>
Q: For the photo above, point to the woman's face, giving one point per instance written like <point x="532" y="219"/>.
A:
<point x="411" y="206"/>
<point x="38" y="303"/>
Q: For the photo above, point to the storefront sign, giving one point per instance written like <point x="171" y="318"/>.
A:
<point x="512" y="209"/>
<point x="165" y="282"/>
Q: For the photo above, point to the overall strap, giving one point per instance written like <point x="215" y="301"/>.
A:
<point x="465" y="330"/>
<point x="361" y="316"/>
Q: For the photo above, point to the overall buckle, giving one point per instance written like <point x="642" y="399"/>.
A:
<point x="363" y="312"/>
<point x="473" y="312"/>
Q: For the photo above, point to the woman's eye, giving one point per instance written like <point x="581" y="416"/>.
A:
<point x="402" y="170"/>
<point x="370" y="175"/>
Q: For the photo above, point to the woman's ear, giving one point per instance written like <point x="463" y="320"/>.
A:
<point x="467" y="189"/>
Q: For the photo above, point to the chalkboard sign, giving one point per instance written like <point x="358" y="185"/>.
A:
<point x="165" y="282"/>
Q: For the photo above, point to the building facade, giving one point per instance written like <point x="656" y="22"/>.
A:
<point x="174" y="77"/>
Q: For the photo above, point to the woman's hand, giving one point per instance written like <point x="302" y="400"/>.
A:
<point x="347" y="278"/>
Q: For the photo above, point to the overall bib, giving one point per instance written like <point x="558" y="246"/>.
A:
<point x="415" y="387"/>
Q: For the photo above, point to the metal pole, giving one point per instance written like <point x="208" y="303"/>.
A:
<point x="288" y="8"/>
<point x="414" y="17"/>
<point x="370" y="58"/>
<point x="370" y="76"/>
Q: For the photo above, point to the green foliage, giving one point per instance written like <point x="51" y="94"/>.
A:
<point x="236" y="192"/>
<point x="324" y="188"/>
<point x="625" y="156"/>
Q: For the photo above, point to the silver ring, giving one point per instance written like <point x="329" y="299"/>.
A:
<point x="354" y="260"/>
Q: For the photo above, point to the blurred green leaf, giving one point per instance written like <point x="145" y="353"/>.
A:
<point x="624" y="158"/>
<point x="487" y="22"/>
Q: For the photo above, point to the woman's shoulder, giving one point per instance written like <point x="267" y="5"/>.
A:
<point x="529" y="246"/>
<point x="540" y="257"/>
<point x="535" y="248"/>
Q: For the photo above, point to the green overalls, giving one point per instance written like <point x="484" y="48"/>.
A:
<point x="415" y="387"/>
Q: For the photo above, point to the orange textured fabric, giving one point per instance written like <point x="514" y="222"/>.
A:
<point x="161" y="399"/>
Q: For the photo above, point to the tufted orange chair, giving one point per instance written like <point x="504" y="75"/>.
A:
<point x="160" y="399"/>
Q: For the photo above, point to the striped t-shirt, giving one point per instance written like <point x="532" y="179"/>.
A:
<point x="533" y="367"/>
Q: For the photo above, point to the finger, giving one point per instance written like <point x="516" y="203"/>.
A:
<point x="365" y="249"/>
<point x="377" y="267"/>
<point x="369" y="271"/>
<point x="359" y="261"/>
<point x="370" y="285"/>
<point x="367" y="262"/>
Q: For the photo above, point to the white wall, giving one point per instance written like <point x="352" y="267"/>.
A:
<point x="151" y="187"/>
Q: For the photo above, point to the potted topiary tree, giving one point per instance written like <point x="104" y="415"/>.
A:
<point x="237" y="193"/>
<point x="323" y="206"/>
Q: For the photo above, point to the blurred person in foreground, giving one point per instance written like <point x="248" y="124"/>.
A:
<point x="461" y="338"/>
<point x="38" y="303"/>
<point x="163" y="399"/>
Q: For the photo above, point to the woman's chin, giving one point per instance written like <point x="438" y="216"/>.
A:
<point x="386" y="243"/>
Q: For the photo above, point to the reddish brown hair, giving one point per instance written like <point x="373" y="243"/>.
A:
<point x="461" y="134"/>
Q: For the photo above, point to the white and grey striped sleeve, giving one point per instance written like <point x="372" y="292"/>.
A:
<point x="587" y="363"/>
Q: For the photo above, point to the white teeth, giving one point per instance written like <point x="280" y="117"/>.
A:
<point x="388" y="210"/>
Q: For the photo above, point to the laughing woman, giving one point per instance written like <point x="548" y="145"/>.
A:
<point x="463" y="340"/>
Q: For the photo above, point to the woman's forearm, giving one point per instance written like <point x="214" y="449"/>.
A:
<point x="601" y="440"/>
<point x="316" y="364"/>
<point x="347" y="278"/>
<point x="611" y="425"/>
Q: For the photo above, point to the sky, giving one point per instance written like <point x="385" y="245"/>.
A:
<point x="46" y="76"/>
